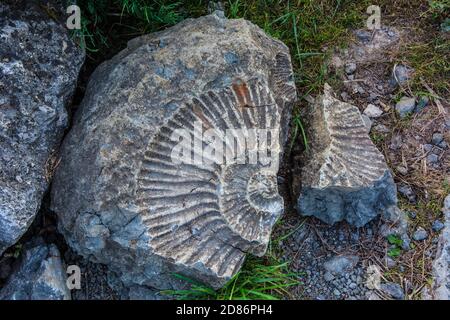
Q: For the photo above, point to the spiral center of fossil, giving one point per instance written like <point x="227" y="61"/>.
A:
<point x="262" y="191"/>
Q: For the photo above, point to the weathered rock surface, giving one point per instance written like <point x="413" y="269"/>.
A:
<point x="344" y="176"/>
<point x="39" y="67"/>
<point x="441" y="266"/>
<point x="120" y="198"/>
<point x="39" y="276"/>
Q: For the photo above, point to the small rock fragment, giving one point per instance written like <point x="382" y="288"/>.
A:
<point x="400" y="75"/>
<point x="437" y="138"/>
<point x="437" y="226"/>
<point x="420" y="234"/>
<point x="432" y="158"/>
<point x="350" y="68"/>
<point x="422" y="103"/>
<point x="402" y="170"/>
<point x="405" y="106"/>
<point x="373" y="111"/>
<point x="406" y="191"/>
<point x="393" y="289"/>
<point x="340" y="264"/>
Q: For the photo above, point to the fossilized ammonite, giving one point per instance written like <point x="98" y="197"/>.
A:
<point x="343" y="175"/>
<point x="172" y="161"/>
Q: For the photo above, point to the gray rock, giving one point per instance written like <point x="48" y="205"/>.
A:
<point x="340" y="264"/>
<point x="39" y="67"/>
<point x="344" y="176"/>
<point x="405" y="106"/>
<point x="420" y="234"/>
<point x="422" y="103"/>
<point x="437" y="226"/>
<point x="437" y="138"/>
<point x="39" y="276"/>
<point x="390" y="263"/>
<point x="350" y="68"/>
<point x="400" y="75"/>
<point x="363" y="35"/>
<point x="121" y="196"/>
<point x="427" y="147"/>
<point x="393" y="289"/>
<point x="373" y="111"/>
<point x="432" y="158"/>
<point x="440" y="289"/>
<point x="406" y="191"/>
<point x="402" y="170"/>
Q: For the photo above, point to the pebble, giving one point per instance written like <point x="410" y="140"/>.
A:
<point x="405" y="106"/>
<point x="350" y="68"/>
<point x="363" y="35"/>
<point x="340" y="264"/>
<point x="422" y="103"/>
<point x="402" y="170"/>
<point x="437" y="226"/>
<point x="432" y="158"/>
<point x="437" y="138"/>
<point x="390" y="263"/>
<point x="406" y="191"/>
<point x="373" y="111"/>
<point x="393" y="289"/>
<point x="427" y="147"/>
<point x="336" y="292"/>
<point x="400" y="75"/>
<point x="381" y="128"/>
<point x="420" y="234"/>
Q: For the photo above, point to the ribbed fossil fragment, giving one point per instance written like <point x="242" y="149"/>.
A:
<point x="127" y="192"/>
<point x="343" y="174"/>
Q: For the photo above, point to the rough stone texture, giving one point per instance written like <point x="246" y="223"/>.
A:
<point x="39" y="67"/>
<point x="344" y="176"/>
<point x="40" y="276"/>
<point x="119" y="197"/>
<point x="441" y="266"/>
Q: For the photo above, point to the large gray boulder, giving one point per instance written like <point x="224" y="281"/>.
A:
<point x="39" y="65"/>
<point x="343" y="175"/>
<point x="120" y="196"/>
<point x="39" y="276"/>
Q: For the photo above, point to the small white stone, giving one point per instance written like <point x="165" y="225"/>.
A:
<point x="372" y="111"/>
